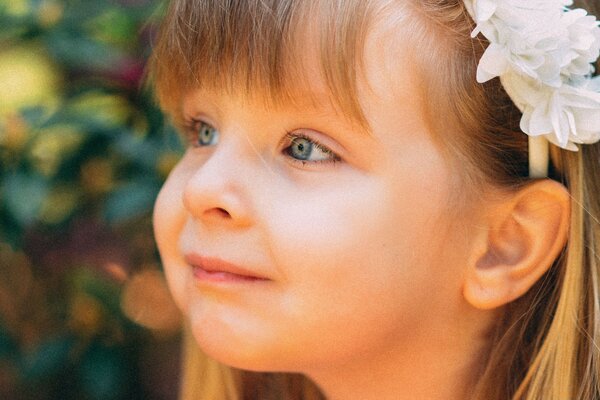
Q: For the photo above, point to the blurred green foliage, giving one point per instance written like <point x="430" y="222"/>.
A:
<point x="83" y="153"/>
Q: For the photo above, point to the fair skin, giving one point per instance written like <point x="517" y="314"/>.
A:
<point x="376" y="287"/>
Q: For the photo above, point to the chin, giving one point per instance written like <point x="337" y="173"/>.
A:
<point x="244" y="356"/>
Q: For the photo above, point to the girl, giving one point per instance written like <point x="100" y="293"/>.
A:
<point x="359" y="214"/>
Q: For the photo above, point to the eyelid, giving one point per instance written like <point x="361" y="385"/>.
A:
<point x="300" y="134"/>
<point x="322" y="139"/>
<point x="190" y="129"/>
<point x="195" y="122"/>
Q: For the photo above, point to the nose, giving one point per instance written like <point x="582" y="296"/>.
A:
<point x="216" y="192"/>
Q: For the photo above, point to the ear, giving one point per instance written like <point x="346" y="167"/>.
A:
<point x="524" y="232"/>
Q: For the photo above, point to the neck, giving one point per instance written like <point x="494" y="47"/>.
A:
<point x="444" y="364"/>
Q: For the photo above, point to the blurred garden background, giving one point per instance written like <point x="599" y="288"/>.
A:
<point x="84" y="310"/>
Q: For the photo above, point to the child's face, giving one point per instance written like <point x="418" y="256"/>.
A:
<point x="362" y="255"/>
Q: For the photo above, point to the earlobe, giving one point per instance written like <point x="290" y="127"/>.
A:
<point x="525" y="232"/>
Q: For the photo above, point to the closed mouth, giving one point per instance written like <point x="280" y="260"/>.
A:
<point x="217" y="269"/>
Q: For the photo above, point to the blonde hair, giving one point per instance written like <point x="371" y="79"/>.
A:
<point x="546" y="345"/>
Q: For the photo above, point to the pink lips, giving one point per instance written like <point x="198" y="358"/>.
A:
<point x="210" y="269"/>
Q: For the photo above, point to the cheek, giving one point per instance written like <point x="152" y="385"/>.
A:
<point x="329" y="233"/>
<point x="168" y="220"/>
<point x="360" y="261"/>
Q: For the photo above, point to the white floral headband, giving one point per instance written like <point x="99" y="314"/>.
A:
<point x="543" y="53"/>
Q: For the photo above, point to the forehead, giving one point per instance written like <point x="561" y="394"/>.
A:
<point x="388" y="75"/>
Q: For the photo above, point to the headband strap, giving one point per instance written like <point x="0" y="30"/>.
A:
<point x="543" y="53"/>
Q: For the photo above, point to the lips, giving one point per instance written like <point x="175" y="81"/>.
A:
<point x="215" y="269"/>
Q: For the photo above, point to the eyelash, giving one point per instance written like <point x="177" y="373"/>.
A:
<point x="190" y="131"/>
<point x="191" y="127"/>
<point x="290" y="136"/>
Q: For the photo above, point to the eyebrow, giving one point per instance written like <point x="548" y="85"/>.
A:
<point x="315" y="103"/>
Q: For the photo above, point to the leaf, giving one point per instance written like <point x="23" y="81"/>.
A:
<point x="81" y="52"/>
<point x="49" y="358"/>
<point x="130" y="201"/>
<point x="23" y="196"/>
<point x="89" y="282"/>
<point x="113" y="26"/>
<point x="141" y="151"/>
<point x="103" y="373"/>
<point x="8" y="346"/>
<point x="34" y="115"/>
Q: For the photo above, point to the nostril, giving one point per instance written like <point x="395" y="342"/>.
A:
<point x="218" y="212"/>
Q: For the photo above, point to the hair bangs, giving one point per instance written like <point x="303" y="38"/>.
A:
<point x="260" y="49"/>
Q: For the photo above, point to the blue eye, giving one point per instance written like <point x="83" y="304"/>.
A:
<point x="304" y="149"/>
<point x="300" y="148"/>
<point x="205" y="135"/>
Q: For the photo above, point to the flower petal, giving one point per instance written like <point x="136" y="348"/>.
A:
<point x="493" y="63"/>
<point x="540" y="121"/>
<point x="485" y="9"/>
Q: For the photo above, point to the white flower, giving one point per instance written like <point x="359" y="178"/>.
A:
<point x="543" y="53"/>
<point x="584" y="37"/>
<point x="564" y="116"/>
<point x="523" y="38"/>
